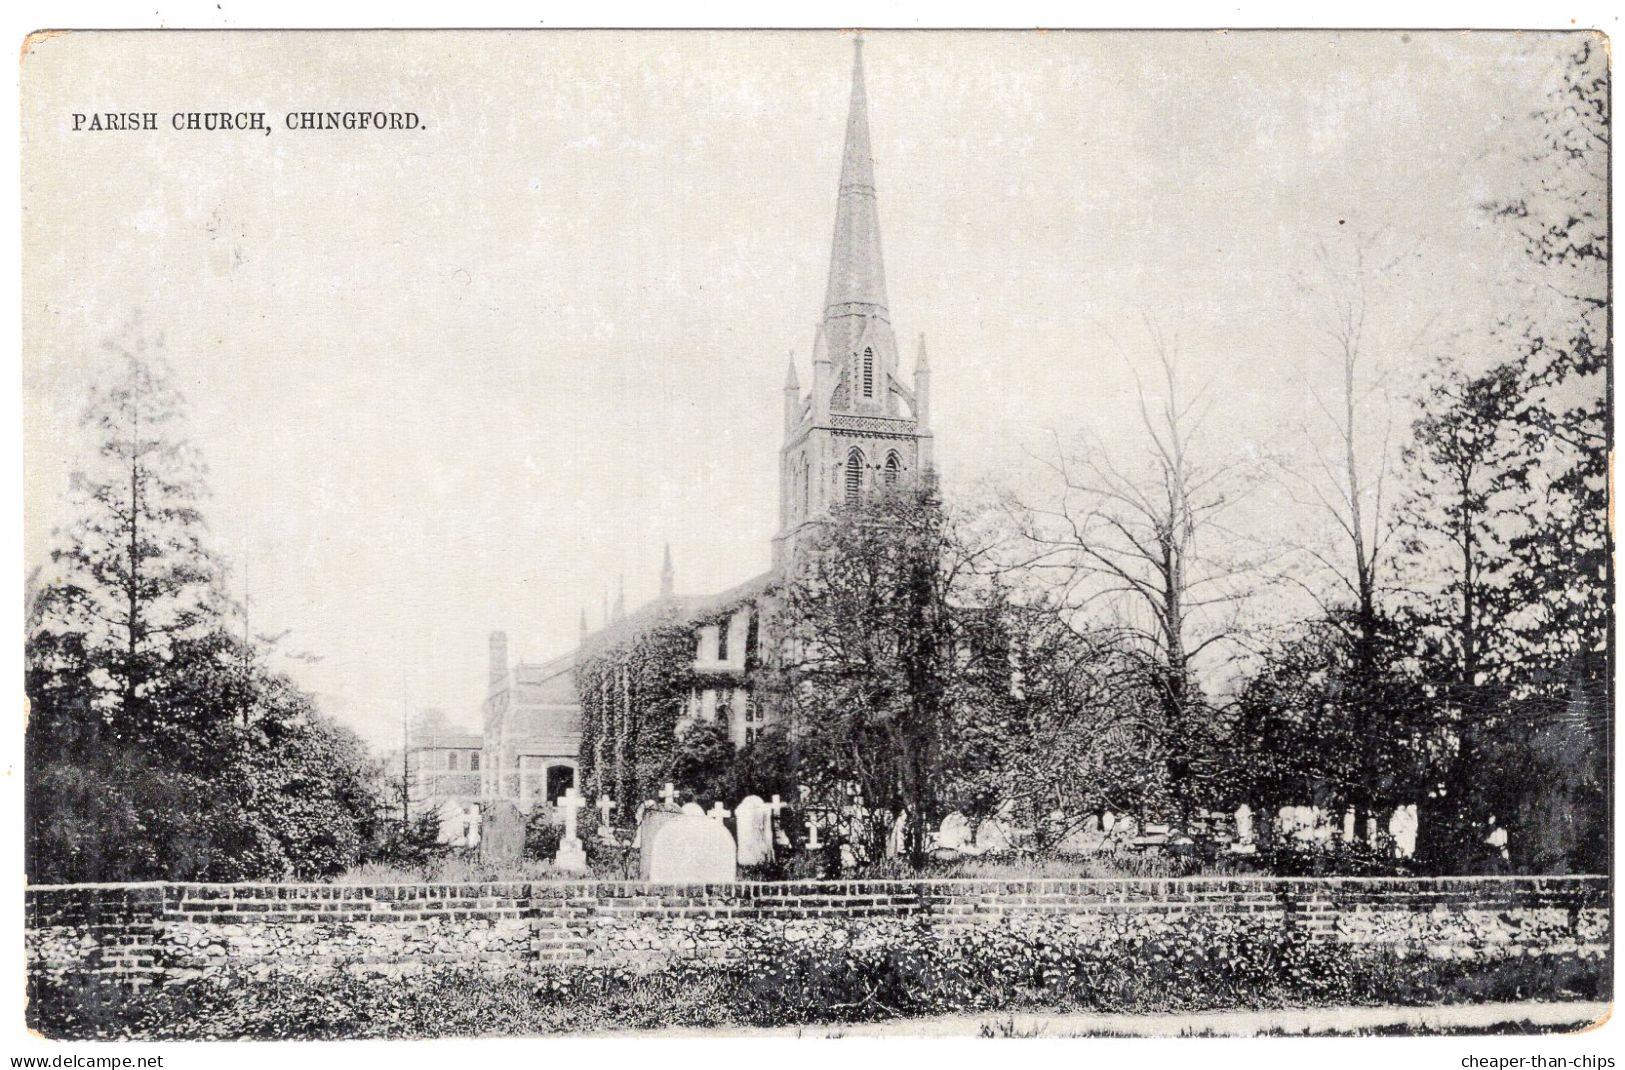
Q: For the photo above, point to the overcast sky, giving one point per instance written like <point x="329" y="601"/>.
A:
<point x="463" y="378"/>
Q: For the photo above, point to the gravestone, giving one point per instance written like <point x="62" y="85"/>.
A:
<point x="993" y="835"/>
<point x="1244" y="823"/>
<point x="754" y="819"/>
<point x="693" y="808"/>
<point x="1402" y="828"/>
<point x="571" y="856"/>
<point x="502" y="832"/>
<point x="692" y="849"/>
<point x="897" y="836"/>
<point x="656" y="816"/>
<point x="955" y="833"/>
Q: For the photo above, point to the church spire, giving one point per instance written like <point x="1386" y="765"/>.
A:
<point x="857" y="278"/>
<point x="668" y="576"/>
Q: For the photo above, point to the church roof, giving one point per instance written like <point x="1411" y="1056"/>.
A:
<point x="668" y="611"/>
<point x="446" y="740"/>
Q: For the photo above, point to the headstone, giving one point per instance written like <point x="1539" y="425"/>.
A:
<point x="754" y="820"/>
<point x="605" y="805"/>
<point x="993" y="835"/>
<point x="954" y="833"/>
<point x="897" y="837"/>
<point x="502" y="832"/>
<point x="1402" y="829"/>
<point x="655" y="817"/>
<point x="1244" y="823"/>
<point x="693" y="808"/>
<point x="692" y="849"/>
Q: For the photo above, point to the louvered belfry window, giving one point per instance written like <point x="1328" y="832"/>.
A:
<point x="854" y="475"/>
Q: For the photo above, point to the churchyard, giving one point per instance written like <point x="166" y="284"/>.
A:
<point x="774" y="839"/>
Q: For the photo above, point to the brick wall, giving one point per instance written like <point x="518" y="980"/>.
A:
<point x="154" y="932"/>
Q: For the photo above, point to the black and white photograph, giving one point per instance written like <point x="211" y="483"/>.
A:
<point x="815" y="533"/>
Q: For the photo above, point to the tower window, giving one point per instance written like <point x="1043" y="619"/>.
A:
<point x="854" y="475"/>
<point x="722" y="640"/>
<point x="473" y="763"/>
<point x="451" y="761"/>
<point x="868" y="372"/>
<point x="893" y="468"/>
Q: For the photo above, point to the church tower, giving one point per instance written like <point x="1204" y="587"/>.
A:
<point x="861" y="426"/>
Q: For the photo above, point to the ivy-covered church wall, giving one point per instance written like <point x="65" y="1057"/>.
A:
<point x="633" y="689"/>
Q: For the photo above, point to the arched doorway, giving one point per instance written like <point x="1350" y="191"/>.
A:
<point x="560" y="779"/>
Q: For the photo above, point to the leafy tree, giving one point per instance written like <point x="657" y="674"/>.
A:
<point x="1064" y="729"/>
<point x="1467" y="465"/>
<point x="1562" y="582"/>
<point x="875" y="654"/>
<point x="767" y="767"/>
<point x="1296" y="741"/>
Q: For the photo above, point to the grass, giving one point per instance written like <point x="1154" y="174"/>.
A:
<point x="467" y="869"/>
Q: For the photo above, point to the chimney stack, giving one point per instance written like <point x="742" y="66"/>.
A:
<point x="499" y="658"/>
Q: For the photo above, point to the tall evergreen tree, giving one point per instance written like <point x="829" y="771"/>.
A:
<point x="160" y="744"/>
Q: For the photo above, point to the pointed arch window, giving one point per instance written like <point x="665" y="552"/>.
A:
<point x="854" y="475"/>
<point x="867" y="371"/>
<point x="894" y="468"/>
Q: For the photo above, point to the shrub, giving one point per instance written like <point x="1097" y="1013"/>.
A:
<point x="1129" y="964"/>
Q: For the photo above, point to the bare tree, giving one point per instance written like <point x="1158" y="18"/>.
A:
<point x="1349" y="441"/>
<point x="1149" y="543"/>
<point x="1348" y="482"/>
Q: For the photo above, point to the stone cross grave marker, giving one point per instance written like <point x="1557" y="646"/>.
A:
<point x="718" y="812"/>
<point x="692" y="849"/>
<point x="812" y="833"/>
<point x="668" y="794"/>
<point x="571" y="857"/>
<point x="605" y="805"/>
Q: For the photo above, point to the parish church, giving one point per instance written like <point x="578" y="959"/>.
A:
<point x="861" y="423"/>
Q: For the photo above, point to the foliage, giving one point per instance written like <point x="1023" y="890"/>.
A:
<point x="633" y="686"/>
<point x="160" y="743"/>
<point x="1133" y="966"/>
<point x="1073" y="735"/>
<point x="879" y="648"/>
<point x="542" y="835"/>
<point x="1333" y="718"/>
<point x="702" y="762"/>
